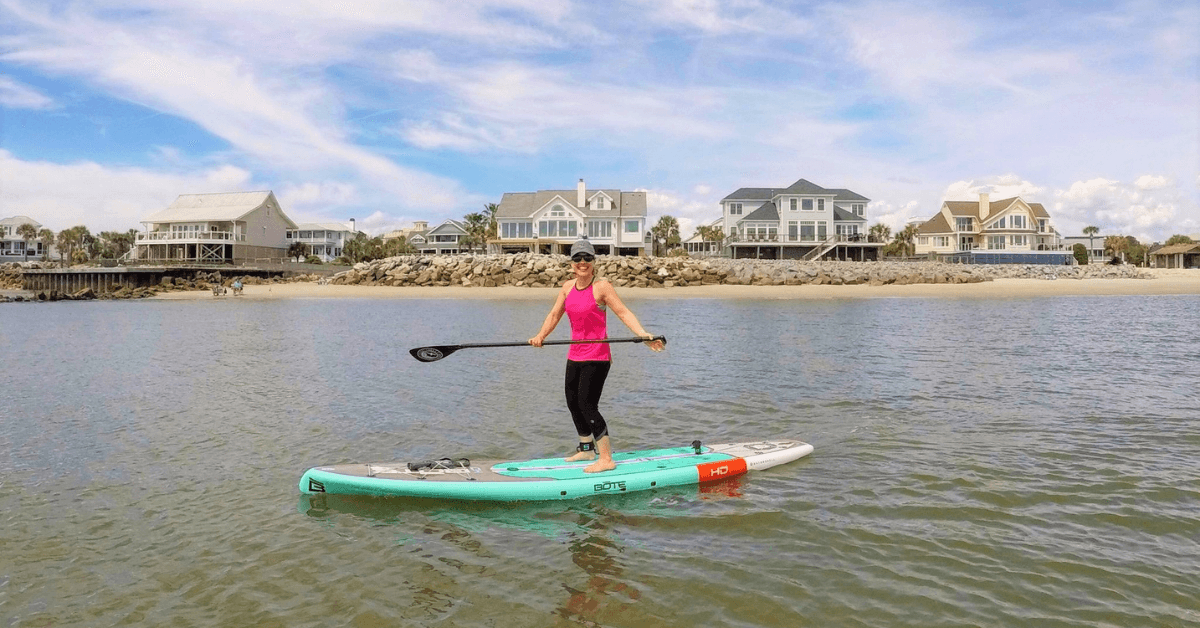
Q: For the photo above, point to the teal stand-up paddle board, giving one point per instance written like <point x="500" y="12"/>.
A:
<point x="550" y="478"/>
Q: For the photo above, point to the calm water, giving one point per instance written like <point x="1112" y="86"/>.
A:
<point x="978" y="462"/>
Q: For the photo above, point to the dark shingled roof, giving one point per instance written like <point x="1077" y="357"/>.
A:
<point x="803" y="186"/>
<point x="766" y="211"/>
<point x="752" y="194"/>
<point x="841" y="214"/>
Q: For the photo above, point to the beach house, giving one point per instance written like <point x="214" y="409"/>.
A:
<point x="1010" y="230"/>
<point x="548" y="221"/>
<point x="1176" y="256"/>
<point x="698" y="246"/>
<point x="13" y="246"/>
<point x="800" y="221"/>
<point x="217" y="228"/>
<point x="326" y="240"/>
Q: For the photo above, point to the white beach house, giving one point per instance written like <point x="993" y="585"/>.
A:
<point x="217" y="228"/>
<point x="548" y="221"/>
<point x="326" y="240"/>
<point x="13" y="247"/>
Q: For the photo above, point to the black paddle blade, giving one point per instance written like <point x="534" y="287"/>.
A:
<point x="432" y="354"/>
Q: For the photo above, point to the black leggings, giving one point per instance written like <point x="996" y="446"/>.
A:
<point x="585" y="382"/>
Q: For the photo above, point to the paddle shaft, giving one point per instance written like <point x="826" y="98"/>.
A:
<point x="433" y="354"/>
<point x="561" y="342"/>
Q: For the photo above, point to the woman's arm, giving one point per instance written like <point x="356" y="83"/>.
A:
<point x="608" y="297"/>
<point x="555" y="315"/>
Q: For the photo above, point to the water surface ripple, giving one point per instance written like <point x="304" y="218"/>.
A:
<point x="978" y="462"/>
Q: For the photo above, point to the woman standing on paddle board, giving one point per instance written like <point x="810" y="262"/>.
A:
<point x="584" y="299"/>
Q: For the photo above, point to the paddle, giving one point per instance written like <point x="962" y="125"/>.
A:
<point x="433" y="354"/>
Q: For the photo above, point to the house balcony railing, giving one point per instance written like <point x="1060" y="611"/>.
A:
<point x="315" y="240"/>
<point x="190" y="236"/>
<point x="800" y="238"/>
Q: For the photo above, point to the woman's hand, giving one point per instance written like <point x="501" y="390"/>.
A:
<point x="537" y="340"/>
<point x="655" y="345"/>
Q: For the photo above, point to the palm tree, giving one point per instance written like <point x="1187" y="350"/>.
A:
<point x="493" y="229"/>
<point x="29" y="233"/>
<point x="47" y="238"/>
<point x="1117" y="245"/>
<point x="63" y="240"/>
<point x="297" y="250"/>
<point x="477" y="230"/>
<point x="713" y="233"/>
<point x="667" y="229"/>
<point x="907" y="238"/>
<point x="1091" y="231"/>
<point x="879" y="232"/>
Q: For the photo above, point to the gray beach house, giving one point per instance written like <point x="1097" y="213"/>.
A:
<point x="800" y="221"/>
<point x="217" y="228"/>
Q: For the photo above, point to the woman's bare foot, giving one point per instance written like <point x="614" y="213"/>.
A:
<point x="600" y="466"/>
<point x="583" y="455"/>
<point x="605" y="463"/>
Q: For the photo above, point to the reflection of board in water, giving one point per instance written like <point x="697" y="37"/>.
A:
<point x="550" y="478"/>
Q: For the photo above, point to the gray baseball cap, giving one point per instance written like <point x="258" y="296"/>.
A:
<point x="582" y="245"/>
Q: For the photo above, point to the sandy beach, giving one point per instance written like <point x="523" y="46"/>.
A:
<point x="1166" y="281"/>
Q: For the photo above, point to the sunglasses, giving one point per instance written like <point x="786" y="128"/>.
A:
<point x="583" y="257"/>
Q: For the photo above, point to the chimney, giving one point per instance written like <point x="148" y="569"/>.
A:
<point x="985" y="205"/>
<point x="581" y="196"/>
<point x="351" y="225"/>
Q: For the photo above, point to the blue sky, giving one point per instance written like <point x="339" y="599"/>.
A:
<point x="390" y="111"/>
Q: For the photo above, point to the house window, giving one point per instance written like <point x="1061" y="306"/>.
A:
<point x="1042" y="226"/>
<point x="941" y="241"/>
<point x="964" y="224"/>
<point x="557" y="228"/>
<point x="793" y="203"/>
<point x="1018" y="222"/>
<point x="807" y="204"/>
<point x="445" y="238"/>
<point x="808" y="230"/>
<point x="923" y="240"/>
<point x="996" y="242"/>
<point x="599" y="228"/>
<point x="516" y="230"/>
<point x="557" y="210"/>
<point x="793" y="230"/>
<point x="1018" y="240"/>
<point x="820" y="204"/>
<point x="999" y="224"/>
<point x="822" y="230"/>
<point x="631" y="226"/>
<point x="735" y="209"/>
<point x="857" y="208"/>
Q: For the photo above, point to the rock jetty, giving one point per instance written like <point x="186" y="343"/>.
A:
<point x="539" y="271"/>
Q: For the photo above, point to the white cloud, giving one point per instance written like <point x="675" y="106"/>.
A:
<point x="1151" y="182"/>
<point x="16" y="95"/>
<point x="265" y="113"/>
<point x="723" y="17"/>
<point x="103" y="198"/>
<point x="516" y="107"/>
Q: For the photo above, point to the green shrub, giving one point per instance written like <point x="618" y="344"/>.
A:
<point x="1080" y="253"/>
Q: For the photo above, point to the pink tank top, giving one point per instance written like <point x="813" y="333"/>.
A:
<point x="588" y="322"/>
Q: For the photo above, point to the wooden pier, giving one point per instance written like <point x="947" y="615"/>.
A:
<point x="101" y="280"/>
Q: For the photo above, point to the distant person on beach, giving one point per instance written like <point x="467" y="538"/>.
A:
<point x="585" y="300"/>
